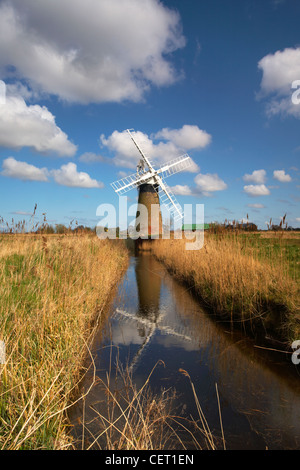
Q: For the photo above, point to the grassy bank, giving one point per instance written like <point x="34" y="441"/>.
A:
<point x="53" y="290"/>
<point x="251" y="281"/>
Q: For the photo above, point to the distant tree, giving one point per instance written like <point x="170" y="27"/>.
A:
<point x="60" y="228"/>
<point x="48" y="229"/>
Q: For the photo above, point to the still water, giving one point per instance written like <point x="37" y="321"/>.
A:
<point x="153" y="319"/>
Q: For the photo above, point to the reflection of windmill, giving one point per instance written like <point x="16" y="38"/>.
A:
<point x="152" y="326"/>
<point x="149" y="317"/>
<point x="152" y="189"/>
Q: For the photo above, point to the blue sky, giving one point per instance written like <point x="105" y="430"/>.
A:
<point x="217" y="79"/>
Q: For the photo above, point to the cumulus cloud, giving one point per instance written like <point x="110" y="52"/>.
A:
<point x="182" y="190"/>
<point x="92" y="51"/>
<point x="68" y="175"/>
<point x="209" y="183"/>
<point x="188" y="137"/>
<point x="175" y="143"/>
<point x="256" y="190"/>
<point x="281" y="176"/>
<point x="32" y="126"/>
<point x="257" y="176"/>
<point x="125" y="153"/>
<point x="280" y="71"/>
<point x="205" y="185"/>
<point x="23" y="171"/>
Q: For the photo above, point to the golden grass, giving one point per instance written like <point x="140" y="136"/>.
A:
<point x="233" y="280"/>
<point x="133" y="418"/>
<point x="53" y="291"/>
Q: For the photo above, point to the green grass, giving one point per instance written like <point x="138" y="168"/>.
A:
<point x="283" y="252"/>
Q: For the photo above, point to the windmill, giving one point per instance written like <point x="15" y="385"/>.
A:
<point x="153" y="189"/>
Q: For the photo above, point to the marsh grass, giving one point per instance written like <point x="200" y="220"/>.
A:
<point x="250" y="282"/>
<point x="53" y="292"/>
<point x="134" y="418"/>
<point x="131" y="418"/>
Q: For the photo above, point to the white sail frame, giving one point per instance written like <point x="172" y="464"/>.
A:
<point x="155" y="178"/>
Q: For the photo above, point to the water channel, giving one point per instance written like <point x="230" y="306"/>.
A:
<point x="152" y="319"/>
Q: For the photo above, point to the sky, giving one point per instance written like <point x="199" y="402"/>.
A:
<point x="219" y="80"/>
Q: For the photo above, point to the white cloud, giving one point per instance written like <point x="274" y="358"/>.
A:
<point x="126" y="155"/>
<point x="256" y="190"/>
<point x="257" y="176"/>
<point x="32" y="126"/>
<point x="22" y="170"/>
<point x="68" y="175"/>
<point x="188" y="137"/>
<point x="182" y="190"/>
<point x="280" y="70"/>
<point x="92" y="51"/>
<point x="19" y="89"/>
<point x="209" y="183"/>
<point x="206" y="185"/>
<point x="281" y="176"/>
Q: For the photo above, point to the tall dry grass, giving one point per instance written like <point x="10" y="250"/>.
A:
<point x="133" y="418"/>
<point x="53" y="291"/>
<point x="130" y="418"/>
<point x="234" y="280"/>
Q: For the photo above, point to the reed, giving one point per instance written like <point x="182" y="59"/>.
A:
<point x="240" y="280"/>
<point x="53" y="293"/>
<point x="133" y="418"/>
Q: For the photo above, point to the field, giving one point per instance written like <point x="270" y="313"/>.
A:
<point x="250" y="279"/>
<point x="53" y="293"/>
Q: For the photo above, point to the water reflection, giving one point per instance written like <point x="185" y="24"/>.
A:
<point x="148" y="280"/>
<point x="154" y="318"/>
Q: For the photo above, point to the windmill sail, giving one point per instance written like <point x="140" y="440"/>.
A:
<point x="159" y="325"/>
<point x="129" y="182"/>
<point x="175" y="166"/>
<point x="140" y="150"/>
<point x="149" y="175"/>
<point x="168" y="199"/>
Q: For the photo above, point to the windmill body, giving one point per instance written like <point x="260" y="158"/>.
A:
<point x="153" y="190"/>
